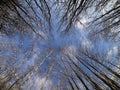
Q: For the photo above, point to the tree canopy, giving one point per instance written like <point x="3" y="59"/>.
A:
<point x="59" y="44"/>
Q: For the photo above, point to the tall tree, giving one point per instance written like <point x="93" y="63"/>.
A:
<point x="59" y="45"/>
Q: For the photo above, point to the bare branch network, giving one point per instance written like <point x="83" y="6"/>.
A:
<point x="59" y="44"/>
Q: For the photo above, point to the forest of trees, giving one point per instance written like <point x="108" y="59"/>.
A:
<point x="59" y="44"/>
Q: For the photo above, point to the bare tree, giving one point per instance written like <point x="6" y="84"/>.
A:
<point x="59" y="45"/>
